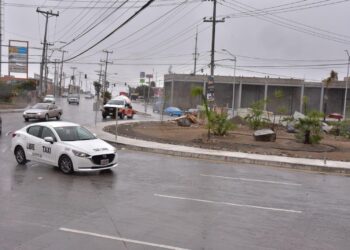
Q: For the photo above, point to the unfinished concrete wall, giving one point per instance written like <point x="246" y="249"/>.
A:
<point x="251" y="94"/>
<point x="181" y="96"/>
<point x="313" y="95"/>
<point x="335" y="101"/>
<point x="289" y="103"/>
<point x="223" y="94"/>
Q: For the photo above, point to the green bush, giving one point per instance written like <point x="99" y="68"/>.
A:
<point x="255" y="119"/>
<point x="220" y="124"/>
<point x="344" y="129"/>
<point x="310" y="128"/>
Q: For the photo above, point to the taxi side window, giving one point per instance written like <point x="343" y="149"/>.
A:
<point x="47" y="133"/>
<point x="34" y="131"/>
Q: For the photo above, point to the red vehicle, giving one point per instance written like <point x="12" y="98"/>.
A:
<point x="123" y="106"/>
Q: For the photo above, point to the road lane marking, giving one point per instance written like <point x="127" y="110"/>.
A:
<point x="252" y="180"/>
<point x="120" y="239"/>
<point x="229" y="204"/>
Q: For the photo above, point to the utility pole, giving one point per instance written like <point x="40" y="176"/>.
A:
<point x="47" y="14"/>
<point x="72" y="80"/>
<point x="1" y="37"/>
<point x="80" y="85"/>
<point x="55" y="82"/>
<point x="46" y="67"/>
<point x="61" y="72"/>
<point x="105" y="76"/>
<point x="346" y="85"/>
<point x="195" y="54"/>
<point x="214" y="21"/>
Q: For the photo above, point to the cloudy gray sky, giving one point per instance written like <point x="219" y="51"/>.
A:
<point x="287" y="38"/>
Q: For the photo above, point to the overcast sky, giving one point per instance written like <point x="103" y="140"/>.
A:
<point x="287" y="38"/>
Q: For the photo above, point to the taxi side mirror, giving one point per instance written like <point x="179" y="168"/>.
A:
<point x="49" y="139"/>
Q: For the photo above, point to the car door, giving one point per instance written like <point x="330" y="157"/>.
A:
<point x="33" y="143"/>
<point x="49" y="150"/>
<point x="51" y="110"/>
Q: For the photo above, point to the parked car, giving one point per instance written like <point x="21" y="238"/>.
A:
<point x="65" y="94"/>
<point x="49" y="99"/>
<point x="43" y="111"/>
<point x="67" y="145"/>
<point x="173" y="111"/>
<point x="73" y="98"/>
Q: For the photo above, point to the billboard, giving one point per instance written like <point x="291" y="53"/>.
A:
<point x="18" y="57"/>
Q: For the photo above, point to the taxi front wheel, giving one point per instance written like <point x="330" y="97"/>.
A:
<point x="20" y="155"/>
<point x="65" y="164"/>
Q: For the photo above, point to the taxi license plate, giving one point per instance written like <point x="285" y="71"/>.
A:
<point x="104" y="161"/>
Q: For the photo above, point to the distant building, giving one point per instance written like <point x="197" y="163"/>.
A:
<point x="247" y="90"/>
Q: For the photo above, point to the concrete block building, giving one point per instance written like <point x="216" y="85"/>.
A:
<point x="242" y="92"/>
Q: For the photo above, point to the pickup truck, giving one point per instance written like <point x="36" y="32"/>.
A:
<point x="122" y="105"/>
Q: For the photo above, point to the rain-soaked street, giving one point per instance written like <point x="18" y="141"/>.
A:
<point x="153" y="201"/>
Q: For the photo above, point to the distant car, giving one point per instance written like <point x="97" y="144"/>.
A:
<point x="157" y="106"/>
<point x="49" y="99"/>
<point x="173" y="111"/>
<point x="73" y="98"/>
<point x="43" y="111"/>
<point x="89" y="96"/>
<point x="67" y="145"/>
<point x="65" y="94"/>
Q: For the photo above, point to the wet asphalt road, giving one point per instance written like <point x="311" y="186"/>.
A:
<point x="162" y="202"/>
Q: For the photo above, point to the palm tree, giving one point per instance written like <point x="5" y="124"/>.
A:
<point x="198" y="91"/>
<point x="333" y="76"/>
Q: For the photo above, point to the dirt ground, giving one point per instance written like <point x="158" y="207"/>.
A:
<point x="241" y="140"/>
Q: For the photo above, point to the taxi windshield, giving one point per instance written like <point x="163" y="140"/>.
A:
<point x="74" y="133"/>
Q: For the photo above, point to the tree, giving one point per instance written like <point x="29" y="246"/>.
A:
<point x="198" y="91"/>
<point x="333" y="76"/>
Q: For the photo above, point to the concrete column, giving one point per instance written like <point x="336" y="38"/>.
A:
<point x="302" y="98"/>
<point x="172" y="93"/>
<point x="321" y="97"/>
<point x="240" y="94"/>
<point x="265" y="96"/>
<point x="233" y="97"/>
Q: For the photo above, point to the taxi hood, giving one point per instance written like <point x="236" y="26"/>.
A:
<point x="91" y="147"/>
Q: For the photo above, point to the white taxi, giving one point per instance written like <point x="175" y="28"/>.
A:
<point x="67" y="145"/>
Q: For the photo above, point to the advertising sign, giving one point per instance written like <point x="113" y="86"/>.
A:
<point x="210" y="89"/>
<point x="18" y="57"/>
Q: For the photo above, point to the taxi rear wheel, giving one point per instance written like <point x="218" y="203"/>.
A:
<point x="20" y="155"/>
<point x="65" y="164"/>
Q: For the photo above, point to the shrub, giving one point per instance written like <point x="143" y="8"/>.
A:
<point x="255" y="119"/>
<point x="310" y="128"/>
<point x="220" y="124"/>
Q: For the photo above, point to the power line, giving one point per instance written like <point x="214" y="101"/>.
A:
<point x="116" y="29"/>
<point x="294" y="27"/>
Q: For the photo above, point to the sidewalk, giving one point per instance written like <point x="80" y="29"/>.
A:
<point x="227" y="156"/>
<point x="12" y="110"/>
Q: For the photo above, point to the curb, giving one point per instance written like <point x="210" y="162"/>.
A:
<point x="287" y="165"/>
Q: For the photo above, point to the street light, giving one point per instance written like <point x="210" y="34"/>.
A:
<point x="346" y="85"/>
<point x="234" y="80"/>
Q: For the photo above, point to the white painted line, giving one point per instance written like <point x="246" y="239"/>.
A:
<point x="229" y="204"/>
<point x="253" y="180"/>
<point x="120" y="239"/>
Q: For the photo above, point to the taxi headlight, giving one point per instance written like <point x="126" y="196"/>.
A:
<point x="80" y="154"/>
